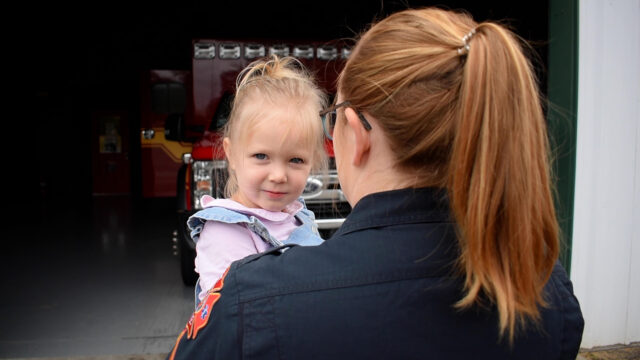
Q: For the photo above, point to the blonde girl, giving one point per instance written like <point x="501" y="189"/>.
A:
<point x="272" y="141"/>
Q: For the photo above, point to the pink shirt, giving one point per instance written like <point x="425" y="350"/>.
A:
<point x="220" y="243"/>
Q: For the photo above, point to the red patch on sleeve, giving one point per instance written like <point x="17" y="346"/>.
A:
<point x="200" y="317"/>
<point x="220" y="282"/>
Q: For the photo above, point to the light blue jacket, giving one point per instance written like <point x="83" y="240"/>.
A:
<point x="305" y="234"/>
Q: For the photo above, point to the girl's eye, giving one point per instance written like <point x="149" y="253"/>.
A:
<point x="297" y="161"/>
<point x="260" y="156"/>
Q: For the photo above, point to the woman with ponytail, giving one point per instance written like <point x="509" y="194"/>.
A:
<point x="451" y="249"/>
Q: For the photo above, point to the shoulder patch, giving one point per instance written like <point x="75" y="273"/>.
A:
<point x="200" y="317"/>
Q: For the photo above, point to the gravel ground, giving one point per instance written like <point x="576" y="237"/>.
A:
<point x="616" y="352"/>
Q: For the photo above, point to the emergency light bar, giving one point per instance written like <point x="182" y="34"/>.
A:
<point x="303" y="51"/>
<point x="229" y="51"/>
<point x="327" y="52"/>
<point x="280" y="50"/>
<point x="204" y="50"/>
<point x="207" y="50"/>
<point x="252" y="51"/>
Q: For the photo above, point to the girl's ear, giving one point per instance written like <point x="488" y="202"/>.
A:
<point x="361" y="137"/>
<point x="226" y="145"/>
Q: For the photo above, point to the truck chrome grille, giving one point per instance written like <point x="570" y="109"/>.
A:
<point x="322" y="195"/>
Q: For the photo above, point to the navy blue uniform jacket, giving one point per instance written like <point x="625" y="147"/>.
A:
<point x="383" y="287"/>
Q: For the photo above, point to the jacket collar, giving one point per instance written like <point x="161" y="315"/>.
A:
<point x="404" y="206"/>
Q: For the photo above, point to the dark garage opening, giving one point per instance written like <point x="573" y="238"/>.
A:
<point x="95" y="274"/>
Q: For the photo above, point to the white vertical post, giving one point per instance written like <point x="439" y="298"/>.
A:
<point x="606" y="231"/>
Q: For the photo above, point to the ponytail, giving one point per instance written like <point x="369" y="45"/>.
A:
<point x="499" y="183"/>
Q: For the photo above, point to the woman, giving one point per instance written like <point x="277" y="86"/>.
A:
<point x="451" y="249"/>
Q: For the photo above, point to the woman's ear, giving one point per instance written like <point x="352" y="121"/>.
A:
<point x="226" y="145"/>
<point x="361" y="137"/>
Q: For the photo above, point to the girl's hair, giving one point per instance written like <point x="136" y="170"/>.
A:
<point x="469" y="119"/>
<point x="282" y="83"/>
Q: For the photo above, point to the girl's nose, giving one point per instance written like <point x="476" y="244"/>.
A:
<point x="278" y="174"/>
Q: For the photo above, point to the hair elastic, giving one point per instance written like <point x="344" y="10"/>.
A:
<point x="465" y="39"/>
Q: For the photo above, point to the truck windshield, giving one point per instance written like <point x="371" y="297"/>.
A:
<point x="222" y="113"/>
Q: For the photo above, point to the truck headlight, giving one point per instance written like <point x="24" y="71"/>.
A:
<point x="207" y="179"/>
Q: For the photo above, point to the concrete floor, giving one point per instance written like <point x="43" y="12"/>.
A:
<point x="93" y="282"/>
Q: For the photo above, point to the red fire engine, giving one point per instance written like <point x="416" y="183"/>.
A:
<point x="186" y="110"/>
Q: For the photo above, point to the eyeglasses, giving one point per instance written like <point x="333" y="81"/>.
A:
<point x="329" y="117"/>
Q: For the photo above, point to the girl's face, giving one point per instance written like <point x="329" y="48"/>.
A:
<point x="271" y="169"/>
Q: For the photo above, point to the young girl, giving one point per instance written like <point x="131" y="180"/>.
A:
<point x="272" y="141"/>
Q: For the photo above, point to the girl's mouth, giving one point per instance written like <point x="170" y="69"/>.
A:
<point x="275" y="194"/>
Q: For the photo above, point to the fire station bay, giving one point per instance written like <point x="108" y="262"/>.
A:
<point x="129" y="109"/>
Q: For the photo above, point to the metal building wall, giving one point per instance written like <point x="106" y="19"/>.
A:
<point x="606" y="220"/>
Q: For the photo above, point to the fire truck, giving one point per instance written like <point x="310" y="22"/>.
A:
<point x="183" y="113"/>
